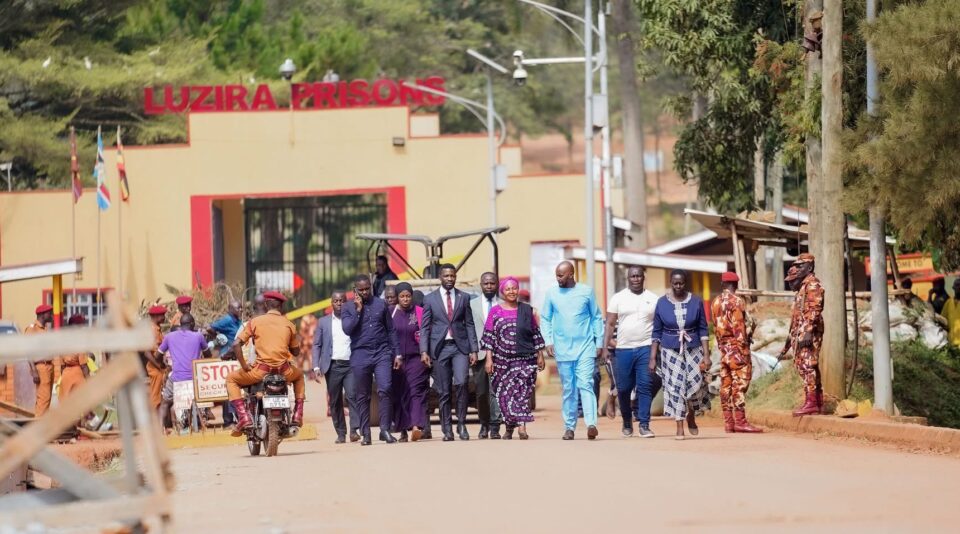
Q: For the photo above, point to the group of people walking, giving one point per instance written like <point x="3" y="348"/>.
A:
<point x="659" y="342"/>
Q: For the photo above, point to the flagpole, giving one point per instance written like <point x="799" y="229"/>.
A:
<point x="99" y="296"/>
<point x="119" y="227"/>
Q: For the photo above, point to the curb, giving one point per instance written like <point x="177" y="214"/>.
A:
<point x="926" y="437"/>
<point x="221" y="438"/>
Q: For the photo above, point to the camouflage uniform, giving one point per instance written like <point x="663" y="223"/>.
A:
<point x="732" y="328"/>
<point x="807" y="319"/>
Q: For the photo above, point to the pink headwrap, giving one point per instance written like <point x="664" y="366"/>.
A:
<point x="507" y="280"/>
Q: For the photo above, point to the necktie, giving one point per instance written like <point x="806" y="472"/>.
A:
<point x="449" y="314"/>
<point x="489" y="307"/>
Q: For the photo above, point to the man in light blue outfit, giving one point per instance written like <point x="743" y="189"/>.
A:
<point x="572" y="327"/>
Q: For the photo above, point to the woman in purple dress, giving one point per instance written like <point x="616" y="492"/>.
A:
<point x="410" y="376"/>
<point x="511" y="337"/>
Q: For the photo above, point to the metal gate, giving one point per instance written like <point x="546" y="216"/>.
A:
<point x="306" y="245"/>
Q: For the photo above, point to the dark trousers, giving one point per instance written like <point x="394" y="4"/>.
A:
<point x="450" y="375"/>
<point x="409" y="393"/>
<point x="632" y="370"/>
<point x="488" y="408"/>
<point x="340" y="383"/>
<point x="365" y="368"/>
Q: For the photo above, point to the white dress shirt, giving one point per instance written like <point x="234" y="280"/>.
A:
<point x="453" y="304"/>
<point x="341" y="341"/>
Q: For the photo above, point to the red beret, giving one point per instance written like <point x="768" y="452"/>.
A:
<point x="729" y="277"/>
<point x="275" y="295"/>
<point x="77" y="319"/>
<point x="184" y="299"/>
<point x="43" y="308"/>
<point x="157" y="310"/>
<point x="524" y="293"/>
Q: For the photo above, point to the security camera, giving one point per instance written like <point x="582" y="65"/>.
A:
<point x="288" y="69"/>
<point x="520" y="76"/>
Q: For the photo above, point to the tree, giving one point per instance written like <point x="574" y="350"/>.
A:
<point x="906" y="159"/>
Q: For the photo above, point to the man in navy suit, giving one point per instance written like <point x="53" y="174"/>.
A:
<point x="448" y="343"/>
<point x="331" y="358"/>
<point x="373" y="346"/>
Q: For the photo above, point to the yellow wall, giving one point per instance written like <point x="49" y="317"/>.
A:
<point x="445" y="180"/>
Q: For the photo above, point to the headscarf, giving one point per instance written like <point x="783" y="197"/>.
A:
<point x="403" y="286"/>
<point x="507" y="280"/>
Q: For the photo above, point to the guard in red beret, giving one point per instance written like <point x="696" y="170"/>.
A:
<point x="277" y="342"/>
<point x="155" y="367"/>
<point x="733" y="329"/>
<point x="44" y="372"/>
<point x="74" y="370"/>
<point x="184" y="305"/>
<point x="806" y="332"/>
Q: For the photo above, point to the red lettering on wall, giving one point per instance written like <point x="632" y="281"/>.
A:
<point x="323" y="94"/>
<point x="201" y="92"/>
<point x="358" y="95"/>
<point x="236" y="97"/>
<point x="263" y="98"/>
<point x="391" y="92"/>
<point x="149" y="107"/>
<point x="168" y="99"/>
<point x="434" y="82"/>
<point x="299" y="93"/>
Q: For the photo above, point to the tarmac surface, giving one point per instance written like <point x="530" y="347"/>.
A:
<point x="717" y="481"/>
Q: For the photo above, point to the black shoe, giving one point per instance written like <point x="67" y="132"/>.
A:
<point x="341" y="439"/>
<point x="627" y="431"/>
<point x="568" y="434"/>
<point x="484" y="432"/>
<point x="354" y="436"/>
<point x="403" y="437"/>
<point x="426" y="435"/>
<point x="592" y="432"/>
<point x="464" y="435"/>
<point x="365" y="440"/>
<point x="387" y="437"/>
<point x="509" y="433"/>
<point x="495" y="434"/>
<point x="448" y="436"/>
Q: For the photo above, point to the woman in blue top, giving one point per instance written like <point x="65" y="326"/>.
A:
<point x="679" y="352"/>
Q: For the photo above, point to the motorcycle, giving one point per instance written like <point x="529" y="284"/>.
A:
<point x="269" y="406"/>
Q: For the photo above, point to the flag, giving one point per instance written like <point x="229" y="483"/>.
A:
<point x="103" y="194"/>
<point x="122" y="170"/>
<point x="75" y="167"/>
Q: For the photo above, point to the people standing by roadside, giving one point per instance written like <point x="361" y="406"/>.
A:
<point x="44" y="372"/>
<point x="680" y="347"/>
<point x="951" y="312"/>
<point x="630" y="313"/>
<point x="806" y="331"/>
<point x="155" y="368"/>
<point x="381" y="275"/>
<point x="411" y="377"/>
<point x="573" y="331"/>
<point x="181" y="347"/>
<point x="277" y="343"/>
<point x="448" y="344"/>
<point x="488" y="409"/>
<point x="733" y="330"/>
<point x="74" y="371"/>
<point x="373" y="346"/>
<point x="514" y="353"/>
<point x="331" y="359"/>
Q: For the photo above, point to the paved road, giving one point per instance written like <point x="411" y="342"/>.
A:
<point x="717" y="481"/>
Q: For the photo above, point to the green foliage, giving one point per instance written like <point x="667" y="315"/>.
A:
<point x="905" y="160"/>
<point x="711" y="45"/>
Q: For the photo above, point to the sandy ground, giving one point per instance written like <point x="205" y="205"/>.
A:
<point x="722" y="482"/>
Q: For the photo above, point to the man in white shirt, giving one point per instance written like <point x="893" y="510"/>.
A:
<point x="630" y="312"/>
<point x="331" y="358"/>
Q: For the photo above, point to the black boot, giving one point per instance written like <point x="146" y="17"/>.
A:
<point x="484" y="432"/>
<point x="494" y="431"/>
<point x="366" y="438"/>
<point x="387" y="437"/>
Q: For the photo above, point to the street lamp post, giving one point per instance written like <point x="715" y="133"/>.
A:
<point x="491" y="145"/>
<point x="589" y="124"/>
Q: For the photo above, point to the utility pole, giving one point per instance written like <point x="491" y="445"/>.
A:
<point x="813" y="11"/>
<point x="634" y="173"/>
<point x="830" y="260"/>
<point x="879" y="307"/>
<point x="589" y="238"/>
<point x="775" y="264"/>
<point x="760" y="199"/>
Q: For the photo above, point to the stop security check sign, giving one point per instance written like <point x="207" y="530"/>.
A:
<point x="210" y="378"/>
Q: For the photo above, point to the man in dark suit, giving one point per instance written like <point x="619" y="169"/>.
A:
<point x="488" y="408"/>
<point x="448" y="343"/>
<point x="373" y="346"/>
<point x="331" y="358"/>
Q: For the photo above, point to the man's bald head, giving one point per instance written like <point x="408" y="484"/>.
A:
<point x="565" y="272"/>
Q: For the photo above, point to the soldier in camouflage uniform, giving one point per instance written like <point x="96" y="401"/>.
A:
<point x="806" y="332"/>
<point x="733" y="329"/>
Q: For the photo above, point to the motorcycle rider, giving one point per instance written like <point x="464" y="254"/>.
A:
<point x="277" y="342"/>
